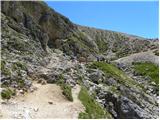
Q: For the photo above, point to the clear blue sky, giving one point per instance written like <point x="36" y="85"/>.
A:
<point x="137" y="18"/>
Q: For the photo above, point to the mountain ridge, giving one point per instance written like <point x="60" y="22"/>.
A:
<point x="66" y="28"/>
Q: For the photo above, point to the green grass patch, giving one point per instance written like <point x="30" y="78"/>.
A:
<point x="19" y="44"/>
<point x="93" y="109"/>
<point x="148" y="69"/>
<point x="21" y="83"/>
<point x="67" y="90"/>
<point x="19" y="66"/>
<point x="102" y="45"/>
<point x="112" y="71"/>
<point x="7" y="93"/>
<point x="4" y="69"/>
<point x="114" y="90"/>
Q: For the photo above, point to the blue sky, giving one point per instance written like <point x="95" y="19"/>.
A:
<point x="137" y="18"/>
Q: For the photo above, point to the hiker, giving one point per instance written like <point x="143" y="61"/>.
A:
<point x="74" y="60"/>
<point x="82" y="59"/>
<point x="97" y="57"/>
<point x="102" y="59"/>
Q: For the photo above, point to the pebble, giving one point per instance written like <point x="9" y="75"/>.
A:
<point x="3" y="102"/>
<point x="43" y="82"/>
<point x="21" y="91"/>
<point x="14" y="102"/>
<point x="19" y="116"/>
<point x="50" y="102"/>
<point x="36" y="109"/>
<point x="33" y="88"/>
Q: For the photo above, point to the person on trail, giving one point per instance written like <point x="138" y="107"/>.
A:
<point x="98" y="59"/>
<point x="74" y="60"/>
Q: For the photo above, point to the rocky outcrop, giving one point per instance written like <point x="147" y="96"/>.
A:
<point x="122" y="100"/>
<point x="45" y="25"/>
<point x="37" y="43"/>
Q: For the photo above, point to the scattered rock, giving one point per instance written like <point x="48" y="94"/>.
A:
<point x="28" y="83"/>
<point x="33" y="88"/>
<point x="3" y="102"/>
<point x="35" y="109"/>
<point x="18" y="116"/>
<point x="50" y="102"/>
<point x="96" y="77"/>
<point x="110" y="81"/>
<point x="21" y="91"/>
<point x="44" y="82"/>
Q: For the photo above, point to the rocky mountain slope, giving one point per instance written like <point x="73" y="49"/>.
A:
<point x="54" y="30"/>
<point x="39" y="44"/>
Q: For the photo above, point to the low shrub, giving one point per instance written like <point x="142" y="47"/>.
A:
<point x="5" y="70"/>
<point x="148" y="69"/>
<point x="67" y="91"/>
<point x="7" y="93"/>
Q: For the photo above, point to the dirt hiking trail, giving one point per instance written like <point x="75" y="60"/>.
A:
<point x="46" y="102"/>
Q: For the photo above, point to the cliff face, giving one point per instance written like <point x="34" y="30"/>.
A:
<point x="35" y="36"/>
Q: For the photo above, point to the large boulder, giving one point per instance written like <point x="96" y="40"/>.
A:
<point x="130" y="110"/>
<point x="96" y="77"/>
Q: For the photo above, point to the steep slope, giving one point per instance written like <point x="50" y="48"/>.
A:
<point x="38" y="44"/>
<point x="118" y="44"/>
<point x="42" y="24"/>
<point x="57" y="31"/>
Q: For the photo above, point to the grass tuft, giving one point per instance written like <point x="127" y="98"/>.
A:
<point x="93" y="109"/>
<point x="4" y="69"/>
<point x="149" y="70"/>
<point x="67" y="91"/>
<point x="7" y="93"/>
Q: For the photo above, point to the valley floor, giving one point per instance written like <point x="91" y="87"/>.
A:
<point x="46" y="102"/>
